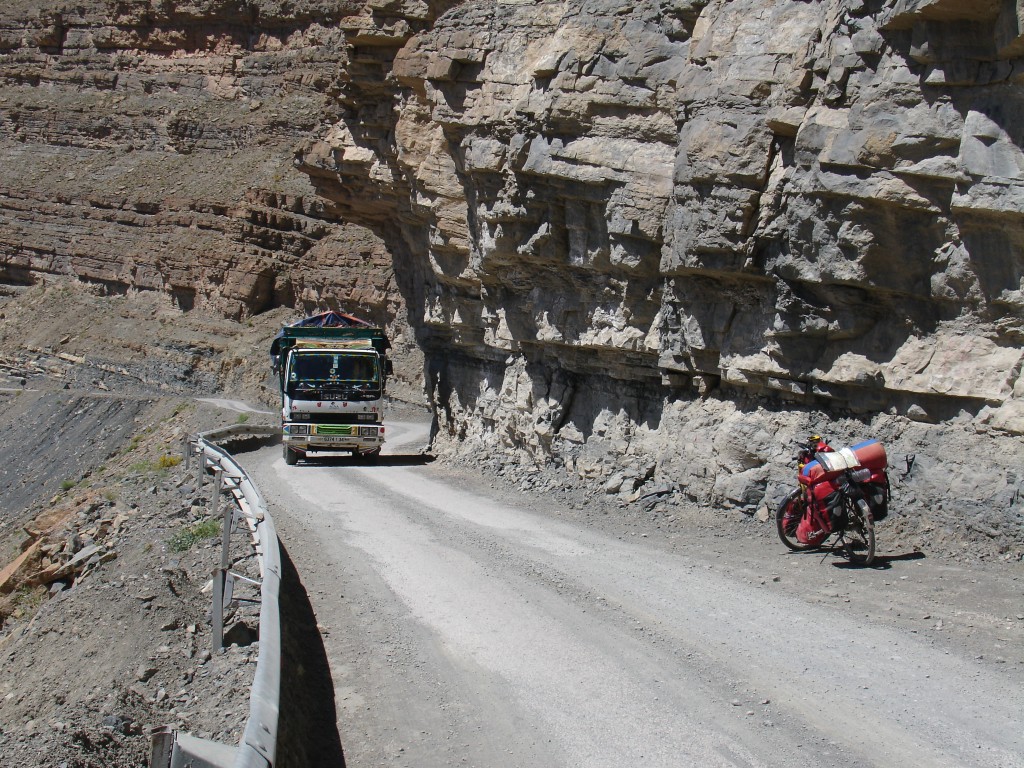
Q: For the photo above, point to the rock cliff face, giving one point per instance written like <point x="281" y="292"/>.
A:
<point x="658" y="242"/>
<point x="653" y="244"/>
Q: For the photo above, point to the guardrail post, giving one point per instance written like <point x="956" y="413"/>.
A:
<point x="227" y="523"/>
<point x="161" y="743"/>
<point x="200" y="466"/>
<point x="220" y="573"/>
<point x="218" y="484"/>
<point x="217" y="615"/>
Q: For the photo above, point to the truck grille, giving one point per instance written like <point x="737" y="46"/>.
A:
<point x="336" y="429"/>
<point x="335" y="418"/>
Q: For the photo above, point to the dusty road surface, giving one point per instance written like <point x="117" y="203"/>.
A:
<point x="470" y="626"/>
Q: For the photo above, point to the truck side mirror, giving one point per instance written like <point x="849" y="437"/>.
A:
<point x="389" y="368"/>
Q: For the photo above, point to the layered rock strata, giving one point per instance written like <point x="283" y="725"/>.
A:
<point x="147" y="146"/>
<point x="667" y="239"/>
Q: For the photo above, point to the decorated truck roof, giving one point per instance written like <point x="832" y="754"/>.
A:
<point x="327" y="327"/>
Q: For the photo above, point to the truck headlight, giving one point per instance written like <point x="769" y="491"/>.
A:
<point x="297" y="429"/>
<point x="367" y="431"/>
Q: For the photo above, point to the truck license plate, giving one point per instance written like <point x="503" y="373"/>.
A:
<point x="322" y="439"/>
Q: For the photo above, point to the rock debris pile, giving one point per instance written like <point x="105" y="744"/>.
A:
<point x="106" y="627"/>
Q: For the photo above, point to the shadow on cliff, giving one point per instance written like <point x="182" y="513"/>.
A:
<point x="974" y="48"/>
<point x="871" y="330"/>
<point x="308" y="727"/>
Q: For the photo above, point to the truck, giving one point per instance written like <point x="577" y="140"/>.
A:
<point x="333" y="369"/>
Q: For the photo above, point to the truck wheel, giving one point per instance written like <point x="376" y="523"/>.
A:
<point x="290" y="457"/>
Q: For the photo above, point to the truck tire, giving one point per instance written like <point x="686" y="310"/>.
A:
<point x="290" y="457"/>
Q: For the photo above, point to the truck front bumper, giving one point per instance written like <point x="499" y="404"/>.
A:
<point x="333" y="437"/>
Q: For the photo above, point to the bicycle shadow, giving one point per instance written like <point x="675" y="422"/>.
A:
<point x="881" y="562"/>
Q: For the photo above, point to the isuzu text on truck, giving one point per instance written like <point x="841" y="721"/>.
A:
<point x="333" y="369"/>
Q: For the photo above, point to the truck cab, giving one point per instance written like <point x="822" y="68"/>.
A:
<point x="333" y="382"/>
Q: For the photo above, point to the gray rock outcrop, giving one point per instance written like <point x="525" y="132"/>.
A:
<point x="691" y="233"/>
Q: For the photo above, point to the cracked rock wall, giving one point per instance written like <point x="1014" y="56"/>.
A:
<point x="666" y="240"/>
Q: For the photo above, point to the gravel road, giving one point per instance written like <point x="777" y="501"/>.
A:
<point x="468" y="625"/>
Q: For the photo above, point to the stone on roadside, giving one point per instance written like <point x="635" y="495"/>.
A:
<point x="144" y="673"/>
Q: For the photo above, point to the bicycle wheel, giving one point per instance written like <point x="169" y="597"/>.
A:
<point x="859" y="536"/>
<point x="787" y="518"/>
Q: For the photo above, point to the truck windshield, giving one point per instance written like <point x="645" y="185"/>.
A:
<point x="323" y="368"/>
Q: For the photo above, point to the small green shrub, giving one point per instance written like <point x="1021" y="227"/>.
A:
<point x="162" y="464"/>
<point x="186" y="538"/>
<point x="166" y="461"/>
<point x="242" y="418"/>
<point x="67" y="485"/>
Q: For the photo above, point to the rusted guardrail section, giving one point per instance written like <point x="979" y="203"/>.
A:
<point x="258" y="746"/>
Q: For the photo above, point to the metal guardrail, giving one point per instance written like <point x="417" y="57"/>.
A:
<point x="258" y="746"/>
